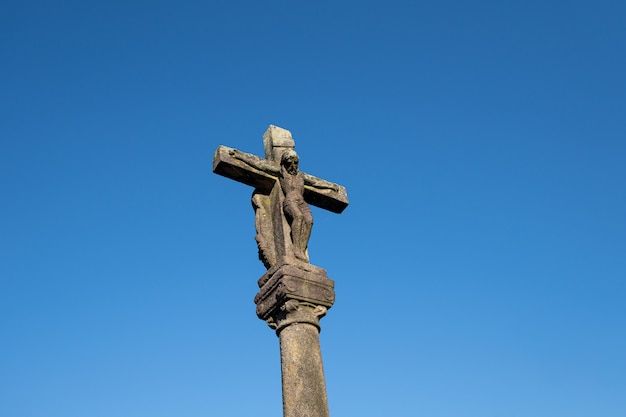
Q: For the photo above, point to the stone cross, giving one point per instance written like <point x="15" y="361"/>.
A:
<point x="293" y="294"/>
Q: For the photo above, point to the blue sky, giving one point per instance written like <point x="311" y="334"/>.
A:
<point x="480" y="268"/>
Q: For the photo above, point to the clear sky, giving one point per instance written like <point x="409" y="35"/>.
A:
<point x="480" y="269"/>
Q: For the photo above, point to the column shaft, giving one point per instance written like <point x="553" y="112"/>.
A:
<point x="304" y="387"/>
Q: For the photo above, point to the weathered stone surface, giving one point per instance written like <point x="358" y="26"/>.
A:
<point x="293" y="298"/>
<point x="294" y="295"/>
<point x="304" y="387"/>
<point x="293" y="282"/>
<point x="246" y="168"/>
<point x="276" y="140"/>
<point x="283" y="219"/>
<point x="263" y="174"/>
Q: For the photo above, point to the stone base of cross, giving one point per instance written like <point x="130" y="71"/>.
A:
<point x="293" y="294"/>
<point x="293" y="297"/>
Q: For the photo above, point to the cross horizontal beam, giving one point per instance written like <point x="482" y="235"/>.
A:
<point x="262" y="174"/>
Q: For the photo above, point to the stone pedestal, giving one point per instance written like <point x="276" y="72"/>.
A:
<point x="294" y="296"/>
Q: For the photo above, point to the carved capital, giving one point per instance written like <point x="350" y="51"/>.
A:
<point x="294" y="311"/>
<point x="294" y="292"/>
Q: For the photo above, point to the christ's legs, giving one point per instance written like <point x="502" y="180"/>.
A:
<point x="307" y="226"/>
<point x="301" y="221"/>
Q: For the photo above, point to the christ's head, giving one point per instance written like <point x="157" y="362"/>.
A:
<point x="290" y="161"/>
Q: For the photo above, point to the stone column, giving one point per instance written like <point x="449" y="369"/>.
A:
<point x="294" y="295"/>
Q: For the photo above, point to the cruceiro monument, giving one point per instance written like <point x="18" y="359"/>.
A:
<point x="294" y="295"/>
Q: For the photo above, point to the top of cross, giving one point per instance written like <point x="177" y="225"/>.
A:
<point x="275" y="141"/>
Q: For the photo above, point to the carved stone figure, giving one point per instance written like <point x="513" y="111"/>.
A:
<point x="283" y="219"/>
<point x="296" y="211"/>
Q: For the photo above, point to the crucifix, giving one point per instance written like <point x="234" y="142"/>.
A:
<point x="294" y="294"/>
